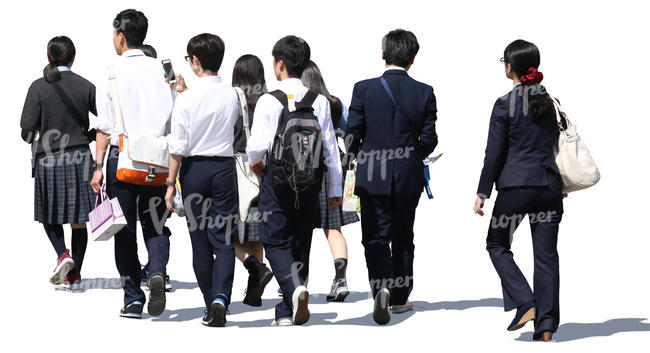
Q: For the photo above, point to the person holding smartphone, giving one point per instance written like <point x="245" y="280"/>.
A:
<point x="202" y="134"/>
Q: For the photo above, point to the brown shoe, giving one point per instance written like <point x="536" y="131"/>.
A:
<point x="545" y="336"/>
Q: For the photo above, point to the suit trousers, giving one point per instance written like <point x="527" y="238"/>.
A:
<point x="209" y="188"/>
<point x="147" y="202"/>
<point x="387" y="237"/>
<point x="543" y="207"/>
<point x="289" y="220"/>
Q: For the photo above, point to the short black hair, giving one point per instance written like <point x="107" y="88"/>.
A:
<point x="294" y="52"/>
<point x="133" y="24"/>
<point x="209" y="48"/>
<point x="149" y="51"/>
<point x="400" y="47"/>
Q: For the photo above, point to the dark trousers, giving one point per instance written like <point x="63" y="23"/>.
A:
<point x="286" y="234"/>
<point x="543" y="207"/>
<point x="79" y="242"/>
<point x="209" y="187"/>
<point x="147" y="202"/>
<point x="387" y="219"/>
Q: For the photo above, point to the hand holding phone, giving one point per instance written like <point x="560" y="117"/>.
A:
<point x="169" y="71"/>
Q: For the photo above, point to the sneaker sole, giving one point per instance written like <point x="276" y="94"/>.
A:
<point x="528" y="316"/>
<point x="301" y="306"/>
<point x="380" y="313"/>
<point x="156" y="296"/>
<point x="61" y="271"/>
<point x="218" y="312"/>
<point x="341" y="294"/>
<point x="131" y="316"/>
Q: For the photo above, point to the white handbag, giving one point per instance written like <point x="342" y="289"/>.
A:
<point x="248" y="186"/>
<point x="577" y="169"/>
<point x="143" y="160"/>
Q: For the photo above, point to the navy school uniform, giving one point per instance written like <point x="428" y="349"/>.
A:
<point x="390" y="148"/>
<point x="519" y="159"/>
<point x="286" y="230"/>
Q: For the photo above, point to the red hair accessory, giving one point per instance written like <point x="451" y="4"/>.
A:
<point x="532" y="75"/>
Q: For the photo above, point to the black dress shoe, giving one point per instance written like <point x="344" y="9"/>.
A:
<point x="525" y="312"/>
<point x="380" y="313"/>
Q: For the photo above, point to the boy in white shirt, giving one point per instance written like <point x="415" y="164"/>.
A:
<point x="286" y="232"/>
<point x="146" y="102"/>
<point x="202" y="136"/>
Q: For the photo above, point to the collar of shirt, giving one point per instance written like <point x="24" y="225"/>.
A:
<point x="291" y="82"/>
<point x="209" y="79"/>
<point x="393" y="67"/>
<point x="132" y="52"/>
<point x="63" y="68"/>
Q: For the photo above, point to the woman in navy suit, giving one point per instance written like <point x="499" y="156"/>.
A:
<point x="519" y="159"/>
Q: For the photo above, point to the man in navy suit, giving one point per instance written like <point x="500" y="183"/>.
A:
<point x="392" y="124"/>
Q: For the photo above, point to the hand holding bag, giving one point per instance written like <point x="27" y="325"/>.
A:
<point x="577" y="168"/>
<point x="107" y="218"/>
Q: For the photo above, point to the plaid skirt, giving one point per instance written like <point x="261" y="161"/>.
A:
<point x="251" y="230"/>
<point x="62" y="192"/>
<point x="333" y="219"/>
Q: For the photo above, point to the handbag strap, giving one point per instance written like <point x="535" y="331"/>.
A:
<point x="115" y="96"/>
<point x="559" y="114"/>
<point x="243" y="104"/>
<point x="78" y="117"/>
<point x="392" y="98"/>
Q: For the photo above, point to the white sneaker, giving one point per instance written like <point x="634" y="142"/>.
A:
<point x="380" y="312"/>
<point x="300" y="302"/>
<point x="400" y="309"/>
<point x="283" y="321"/>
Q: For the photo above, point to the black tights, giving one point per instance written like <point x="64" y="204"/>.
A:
<point x="79" y="241"/>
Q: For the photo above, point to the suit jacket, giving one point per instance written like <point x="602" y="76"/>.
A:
<point x="390" y="147"/>
<point x="519" y="151"/>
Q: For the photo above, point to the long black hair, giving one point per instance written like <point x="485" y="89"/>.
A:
<point x="248" y="75"/>
<point x="313" y="79"/>
<point x="60" y="52"/>
<point x="524" y="56"/>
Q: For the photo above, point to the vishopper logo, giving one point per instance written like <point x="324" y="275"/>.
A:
<point x="120" y="25"/>
<point x="203" y="220"/>
<point x="50" y="157"/>
<point x="525" y="91"/>
<point x="513" y="221"/>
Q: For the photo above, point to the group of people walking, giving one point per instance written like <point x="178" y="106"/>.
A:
<point x="212" y="127"/>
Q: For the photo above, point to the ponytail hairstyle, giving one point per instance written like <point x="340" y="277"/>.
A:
<point x="313" y="80"/>
<point x="60" y="52"/>
<point x="524" y="59"/>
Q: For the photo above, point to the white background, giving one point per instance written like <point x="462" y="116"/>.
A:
<point x="594" y="58"/>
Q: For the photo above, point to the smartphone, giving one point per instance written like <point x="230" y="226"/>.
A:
<point x="169" y="71"/>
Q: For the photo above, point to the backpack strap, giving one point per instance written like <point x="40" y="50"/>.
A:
<point x="281" y="96"/>
<point x="308" y="100"/>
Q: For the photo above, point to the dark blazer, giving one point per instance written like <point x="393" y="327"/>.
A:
<point x="44" y="111"/>
<point x="389" y="152"/>
<point x="518" y="151"/>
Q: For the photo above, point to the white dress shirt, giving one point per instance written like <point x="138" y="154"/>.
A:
<point x="145" y="98"/>
<point x="267" y="114"/>
<point x="203" y="121"/>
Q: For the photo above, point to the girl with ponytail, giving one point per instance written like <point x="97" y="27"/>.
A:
<point x="56" y="110"/>
<point x="519" y="159"/>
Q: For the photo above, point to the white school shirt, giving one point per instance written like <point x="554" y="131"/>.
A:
<point x="203" y="120"/>
<point x="145" y="98"/>
<point x="267" y="114"/>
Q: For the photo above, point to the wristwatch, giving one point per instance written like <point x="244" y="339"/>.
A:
<point x="98" y="165"/>
<point x="170" y="182"/>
